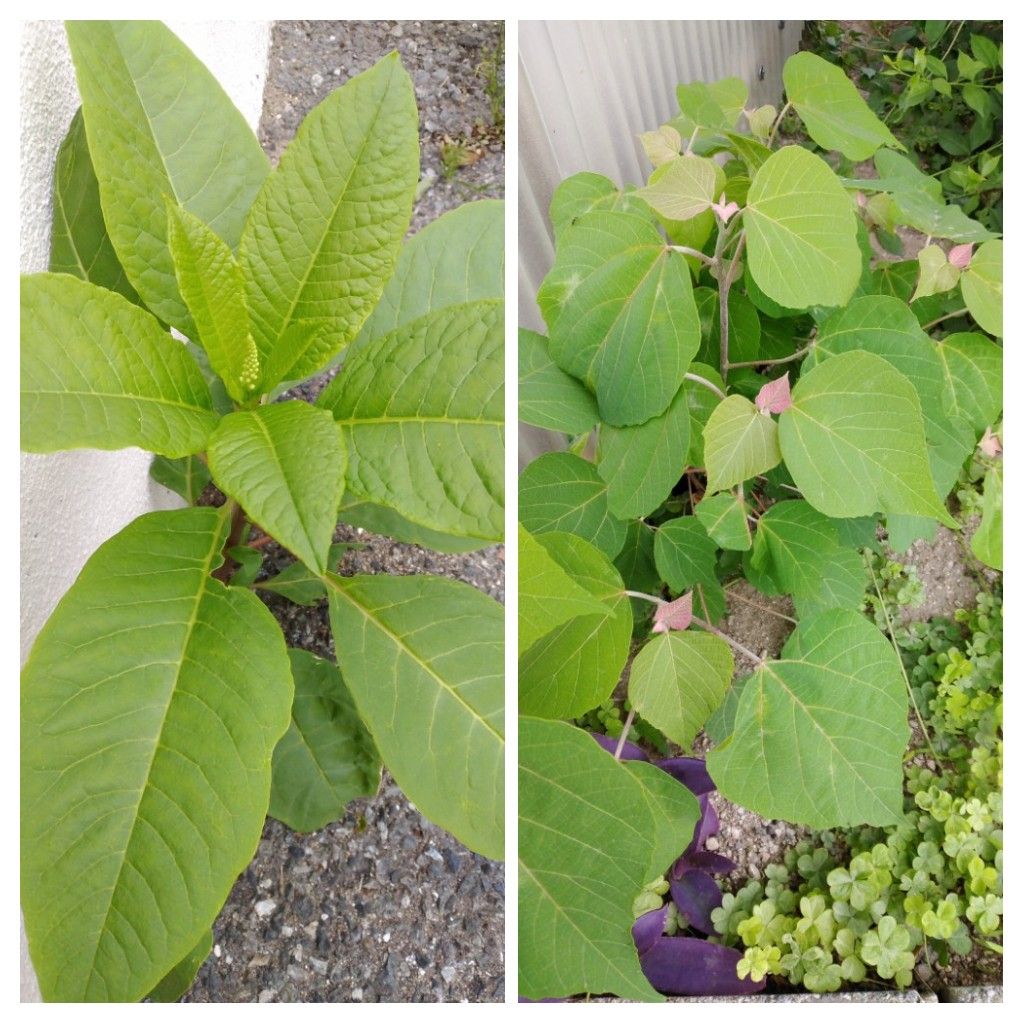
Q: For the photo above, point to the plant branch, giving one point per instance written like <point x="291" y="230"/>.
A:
<point x="725" y="279"/>
<point x="778" y="121"/>
<point x="626" y="726"/>
<point x="774" y="362"/>
<point x="761" y="607"/>
<point x="698" y="379"/>
<point x="687" y="251"/>
<point x="952" y="41"/>
<point x="948" y="316"/>
<point x="223" y="571"/>
<point x="735" y="644"/>
<point x="899" y="658"/>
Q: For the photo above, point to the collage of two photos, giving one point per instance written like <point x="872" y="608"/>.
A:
<point x="267" y="372"/>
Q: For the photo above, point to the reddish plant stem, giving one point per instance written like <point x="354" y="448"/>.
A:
<point x="226" y="569"/>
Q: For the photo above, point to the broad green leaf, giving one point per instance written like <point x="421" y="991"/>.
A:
<point x="973" y="368"/>
<point x="322" y="237"/>
<point x="79" y="243"/>
<point x="678" y="680"/>
<point x="750" y="151"/>
<point x="592" y="833"/>
<point x="888" y="328"/>
<point x="684" y="187"/>
<point x="422" y="411"/>
<point x="820" y="734"/>
<point x="761" y="121"/>
<point x="187" y="477"/>
<point x="159" y="124"/>
<point x="987" y="542"/>
<point x="801" y="232"/>
<point x="151" y="704"/>
<point x="548" y="596"/>
<point x="285" y="465"/>
<point x="686" y="557"/>
<point x="562" y="492"/>
<point x="179" y="979"/>
<point x="832" y="110"/>
<point x="642" y="464"/>
<point x="584" y="193"/>
<point x="250" y="561"/>
<point x="854" y="440"/>
<point x="662" y="145"/>
<point x="702" y="402"/>
<point x="982" y="287"/>
<point x="739" y="443"/>
<point x="458" y="258"/>
<point x="301" y="585"/>
<point x="620" y="313"/>
<point x="715" y="105"/>
<point x="326" y="758"/>
<point x="210" y="282"/>
<point x="905" y="530"/>
<point x="422" y="658"/>
<point x="937" y="274"/>
<point x="99" y="372"/>
<point x="548" y="396"/>
<point x="894" y="279"/>
<point x="933" y="218"/>
<point x="724" y="517"/>
<point x="800" y="549"/>
<point x="635" y="562"/>
<point x="386" y="521"/>
<point x="576" y="666"/>
<point x="906" y="175"/>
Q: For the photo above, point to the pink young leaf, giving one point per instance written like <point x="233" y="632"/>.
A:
<point x="960" y="255"/>
<point x="675" y="614"/>
<point x="990" y="444"/>
<point x="774" y="396"/>
<point x="725" y="210"/>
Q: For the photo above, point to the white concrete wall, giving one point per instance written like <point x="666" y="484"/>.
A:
<point x="72" y="502"/>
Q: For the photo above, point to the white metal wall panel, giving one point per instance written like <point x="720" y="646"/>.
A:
<point x="587" y="89"/>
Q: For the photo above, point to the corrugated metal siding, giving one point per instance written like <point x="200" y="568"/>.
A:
<point x="587" y="89"/>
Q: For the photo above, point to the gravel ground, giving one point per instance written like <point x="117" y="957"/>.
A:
<point x="744" y="836"/>
<point x="381" y="906"/>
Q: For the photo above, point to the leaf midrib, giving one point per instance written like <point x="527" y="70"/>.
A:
<point x="338" y="588"/>
<point x="201" y="592"/>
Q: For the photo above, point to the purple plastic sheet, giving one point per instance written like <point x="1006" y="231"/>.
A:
<point x="682" y="966"/>
<point x="696" y="894"/>
<point x="630" y="751"/>
<point x="692" y="772"/>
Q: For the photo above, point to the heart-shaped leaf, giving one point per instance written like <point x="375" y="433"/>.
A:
<point x="592" y="833"/>
<point x="801" y="232"/>
<point x="678" y="680"/>
<point x="574" y="667"/>
<point x="820" y="734"/>
<point x="854" y="440"/>
<point x="739" y="443"/>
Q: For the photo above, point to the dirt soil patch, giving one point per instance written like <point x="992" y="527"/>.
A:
<point x="380" y="906"/>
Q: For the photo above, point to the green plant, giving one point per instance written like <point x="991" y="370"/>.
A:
<point x="161" y="711"/>
<point x="749" y="395"/>
<point x="933" y="883"/>
<point x="940" y="84"/>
